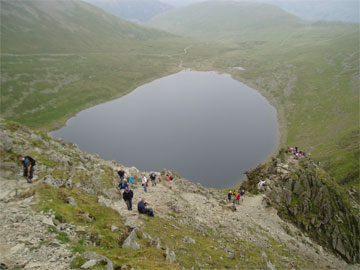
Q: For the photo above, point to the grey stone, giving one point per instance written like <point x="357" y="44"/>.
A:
<point x="89" y="264"/>
<point x="71" y="201"/>
<point x="340" y="247"/>
<point x="94" y="256"/>
<point x="268" y="264"/>
<point x="156" y="242"/>
<point x="48" y="221"/>
<point x="170" y="255"/>
<point x="131" y="241"/>
<point x="7" y="143"/>
<point x="80" y="229"/>
<point x="188" y="240"/>
<point x="113" y="228"/>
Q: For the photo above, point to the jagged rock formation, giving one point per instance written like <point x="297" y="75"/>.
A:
<point x="75" y="201"/>
<point x="304" y="194"/>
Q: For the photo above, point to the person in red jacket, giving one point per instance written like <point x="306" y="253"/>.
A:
<point x="238" y="196"/>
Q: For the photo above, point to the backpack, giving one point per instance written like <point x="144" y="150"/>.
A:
<point x="32" y="161"/>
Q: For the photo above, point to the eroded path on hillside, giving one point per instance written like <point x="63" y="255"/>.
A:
<point x="25" y="239"/>
<point x="200" y="208"/>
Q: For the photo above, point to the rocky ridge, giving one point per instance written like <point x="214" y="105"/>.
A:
<point x="304" y="194"/>
<point x="76" y="213"/>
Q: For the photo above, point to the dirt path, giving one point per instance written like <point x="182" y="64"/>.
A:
<point x="252" y="221"/>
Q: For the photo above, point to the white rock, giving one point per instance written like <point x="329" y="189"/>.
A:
<point x="48" y="221"/>
<point x="89" y="264"/>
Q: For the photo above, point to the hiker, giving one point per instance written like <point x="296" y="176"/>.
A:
<point x="28" y="163"/>
<point x="121" y="174"/>
<point x="233" y="207"/>
<point x="242" y="193"/>
<point x="153" y="178"/>
<point x="130" y="179"/>
<point x="123" y="185"/>
<point x="143" y="208"/>
<point x="170" y="179"/>
<point x="127" y="196"/>
<point x="144" y="182"/>
<point x="260" y="184"/>
<point x="229" y="195"/>
<point x="238" y="196"/>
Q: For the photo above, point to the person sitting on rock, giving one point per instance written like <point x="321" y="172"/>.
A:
<point x="143" y="208"/>
<point x="28" y="163"/>
<point x="127" y="196"/>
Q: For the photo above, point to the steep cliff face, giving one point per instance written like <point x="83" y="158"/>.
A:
<point x="305" y="195"/>
<point x="73" y="216"/>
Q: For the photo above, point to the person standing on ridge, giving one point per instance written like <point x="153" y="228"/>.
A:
<point x="170" y="179"/>
<point x="127" y="196"/>
<point x="153" y="178"/>
<point x="123" y="185"/>
<point x="130" y="179"/>
<point x="144" y="182"/>
<point x="242" y="193"/>
<point x="229" y="195"/>
<point x="121" y="174"/>
<point x="28" y="163"/>
<point x="238" y="196"/>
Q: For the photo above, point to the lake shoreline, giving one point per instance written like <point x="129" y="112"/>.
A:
<point x="278" y="137"/>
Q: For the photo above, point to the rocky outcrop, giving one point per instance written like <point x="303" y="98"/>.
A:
<point x="94" y="258"/>
<point x="304" y="194"/>
<point x="131" y="241"/>
<point x="26" y="241"/>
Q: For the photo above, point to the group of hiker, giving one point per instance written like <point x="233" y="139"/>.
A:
<point x="128" y="194"/>
<point x="238" y="196"/>
<point x="295" y="150"/>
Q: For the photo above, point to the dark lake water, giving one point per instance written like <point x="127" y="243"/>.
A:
<point x="206" y="126"/>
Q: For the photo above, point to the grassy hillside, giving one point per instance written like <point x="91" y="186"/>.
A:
<point x="59" y="57"/>
<point x="219" y="20"/>
<point x="133" y="10"/>
<point x="309" y="71"/>
<point x="65" y="26"/>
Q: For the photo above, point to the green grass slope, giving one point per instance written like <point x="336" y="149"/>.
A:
<point x="66" y="26"/>
<point x="220" y="20"/>
<point x="59" y="57"/>
<point x="309" y="71"/>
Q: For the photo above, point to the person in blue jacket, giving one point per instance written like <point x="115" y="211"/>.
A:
<point x="127" y="196"/>
<point x="143" y="208"/>
<point x="123" y="185"/>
